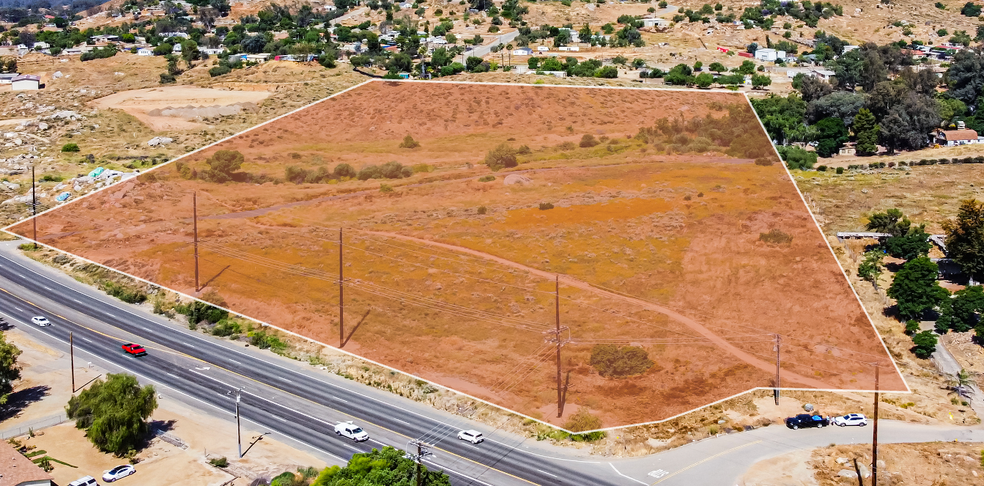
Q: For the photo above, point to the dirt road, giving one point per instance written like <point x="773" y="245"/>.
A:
<point x="573" y="282"/>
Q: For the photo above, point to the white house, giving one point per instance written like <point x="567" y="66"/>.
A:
<point x="542" y="49"/>
<point x="7" y="78"/>
<point x="769" y="55"/>
<point x="522" y="51"/>
<point x="850" y="48"/>
<point x="960" y="136"/>
<point x="569" y="48"/>
<point x="211" y="51"/>
<point x="658" y="23"/>
<point x="26" y="82"/>
<point x="143" y="51"/>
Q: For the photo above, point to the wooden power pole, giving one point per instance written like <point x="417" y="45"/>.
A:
<point x="341" y="295"/>
<point x="34" y="211"/>
<point x="194" y="210"/>
<point x="874" y="436"/>
<point x="71" y="358"/>
<point x="560" y="408"/>
<point x="778" y="341"/>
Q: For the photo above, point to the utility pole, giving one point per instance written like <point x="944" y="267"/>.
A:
<point x="34" y="211"/>
<point x="71" y="358"/>
<point x="554" y="337"/>
<point x="239" y="436"/>
<point x="778" y="341"/>
<point x="194" y="209"/>
<point x="418" y="457"/>
<point x="874" y="436"/>
<point x="341" y="295"/>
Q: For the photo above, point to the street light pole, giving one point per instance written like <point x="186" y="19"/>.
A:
<point x="239" y="437"/>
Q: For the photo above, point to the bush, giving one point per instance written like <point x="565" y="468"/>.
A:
<point x="776" y="237"/>
<point x="797" y="158"/>
<point x="369" y="172"/>
<point x="124" y="293"/>
<point x="487" y="178"/>
<point x="70" y="147"/>
<point x="822" y="168"/>
<point x="284" y="479"/>
<point x="199" y="311"/>
<point x="219" y="71"/>
<point x="582" y="420"/>
<point x="219" y="462"/>
<point x="911" y="327"/>
<point x="226" y="328"/>
<point x="612" y="361"/>
<point x="501" y="157"/>
<point x="588" y="141"/>
<point x="385" y="188"/>
<point x="545" y="206"/>
<point x="344" y="170"/>
<point x="764" y="161"/>
<point x="840" y="170"/>
<point x="925" y="344"/>
<point x="482" y="210"/>
<point x="409" y="143"/>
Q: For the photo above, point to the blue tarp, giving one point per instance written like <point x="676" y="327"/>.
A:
<point x="63" y="196"/>
<point x="95" y="173"/>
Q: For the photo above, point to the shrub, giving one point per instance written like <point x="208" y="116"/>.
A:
<point x="219" y="71"/>
<point x="545" y="206"/>
<point x="482" y="210"/>
<point x="487" y="178"/>
<point x="219" y="462"/>
<point x="344" y="170"/>
<point x="384" y="188"/>
<point x="200" y="311"/>
<point x="582" y="420"/>
<point x="369" y="172"/>
<point x="822" y="168"/>
<point x="776" y="237"/>
<point x="52" y="178"/>
<point x="284" y="479"/>
<point x="225" y="328"/>
<point x="911" y="327"/>
<point x="523" y="150"/>
<point x="588" y="141"/>
<point x="612" y="361"/>
<point x="418" y="168"/>
<point x="501" y="157"/>
<point x="295" y="174"/>
<point x="840" y="170"/>
<point x="124" y="293"/>
<point x="409" y="143"/>
<point x="925" y="344"/>
<point x="764" y="161"/>
<point x="70" y="147"/>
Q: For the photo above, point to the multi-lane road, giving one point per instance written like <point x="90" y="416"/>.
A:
<point x="288" y="398"/>
<point x="301" y="404"/>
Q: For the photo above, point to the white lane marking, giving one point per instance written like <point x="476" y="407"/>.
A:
<point x="189" y="345"/>
<point x="78" y="301"/>
<point x="18" y="308"/>
<point x="111" y="315"/>
<point x="285" y="379"/>
<point x="274" y="364"/>
<point x="171" y="374"/>
<point x="626" y="477"/>
<point x="265" y="399"/>
<point x="544" y="472"/>
<point x="48" y="289"/>
<point x="340" y="400"/>
<point x="400" y="421"/>
<point x="85" y="339"/>
<point x="278" y="417"/>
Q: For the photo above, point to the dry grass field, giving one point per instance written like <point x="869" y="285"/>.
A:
<point x="660" y="241"/>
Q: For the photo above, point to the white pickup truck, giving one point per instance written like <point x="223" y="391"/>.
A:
<point x="351" y="431"/>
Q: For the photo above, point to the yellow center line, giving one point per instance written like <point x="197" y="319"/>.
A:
<point x="178" y="353"/>
<point x="719" y="454"/>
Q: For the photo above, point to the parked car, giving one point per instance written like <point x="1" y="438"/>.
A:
<point x="851" y="419"/>
<point x="351" y="431"/>
<point x="86" y="481"/>
<point x="118" y="472"/>
<point x="40" y="321"/>
<point x="135" y="349"/>
<point x="805" y="420"/>
<point x="473" y="436"/>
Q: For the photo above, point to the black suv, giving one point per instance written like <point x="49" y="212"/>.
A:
<point x="804" y="420"/>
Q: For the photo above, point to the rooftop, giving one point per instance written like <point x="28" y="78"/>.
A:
<point x="16" y="469"/>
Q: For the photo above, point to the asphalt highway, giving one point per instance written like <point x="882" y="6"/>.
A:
<point x="279" y="396"/>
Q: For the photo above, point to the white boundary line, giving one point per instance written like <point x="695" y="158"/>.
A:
<point x="733" y="93"/>
<point x="832" y="254"/>
<point x="624" y="476"/>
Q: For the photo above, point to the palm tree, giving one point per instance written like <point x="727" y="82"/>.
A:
<point x="960" y="383"/>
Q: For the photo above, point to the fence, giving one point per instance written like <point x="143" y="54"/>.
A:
<point x="36" y="425"/>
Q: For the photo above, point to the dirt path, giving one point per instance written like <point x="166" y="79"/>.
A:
<point x="573" y="282"/>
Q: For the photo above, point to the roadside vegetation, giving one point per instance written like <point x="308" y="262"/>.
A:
<point x="113" y="412"/>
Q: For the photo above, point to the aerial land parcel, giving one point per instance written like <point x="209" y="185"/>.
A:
<point x="664" y="217"/>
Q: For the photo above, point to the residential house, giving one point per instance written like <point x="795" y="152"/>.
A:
<point x="960" y="136"/>
<point x="850" y="48"/>
<point x="18" y="470"/>
<point x="542" y="49"/>
<point x="769" y="55"/>
<point x="143" y="51"/>
<point x="658" y="23"/>
<point x="569" y="48"/>
<point x="522" y="51"/>
<point x="7" y="78"/>
<point x="26" y="82"/>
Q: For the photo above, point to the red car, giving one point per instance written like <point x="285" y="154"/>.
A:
<point x="135" y="349"/>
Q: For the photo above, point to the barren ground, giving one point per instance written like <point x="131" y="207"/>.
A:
<point x="174" y="107"/>
<point x="652" y="249"/>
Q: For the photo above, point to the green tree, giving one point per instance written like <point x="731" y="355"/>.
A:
<point x="848" y="69"/>
<point x="223" y="164"/>
<point x="831" y="135"/>
<point x="613" y="361"/>
<point x="747" y="67"/>
<point x="717" y="67"/>
<point x="866" y="131"/>
<point x="501" y="157"/>
<point x="760" y="81"/>
<point x="114" y="413"/>
<point x="915" y="288"/>
<point x="386" y="467"/>
<point x="909" y="246"/>
<point x="891" y="221"/>
<point x="925" y="344"/>
<point x="704" y="80"/>
<point x="870" y="268"/>
<point x="967" y="305"/>
<point x="965" y="238"/>
<point x="9" y="371"/>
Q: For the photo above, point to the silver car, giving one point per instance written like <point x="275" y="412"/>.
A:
<point x="851" y="419"/>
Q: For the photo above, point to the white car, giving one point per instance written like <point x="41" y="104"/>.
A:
<point x="40" y="321"/>
<point x="352" y="431"/>
<point x="472" y="436"/>
<point x="851" y="419"/>
<point x="118" y="472"/>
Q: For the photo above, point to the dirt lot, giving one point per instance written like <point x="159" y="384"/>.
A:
<point x="44" y="390"/>
<point x="641" y="240"/>
<point x="174" y="107"/>
<point x="899" y="464"/>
